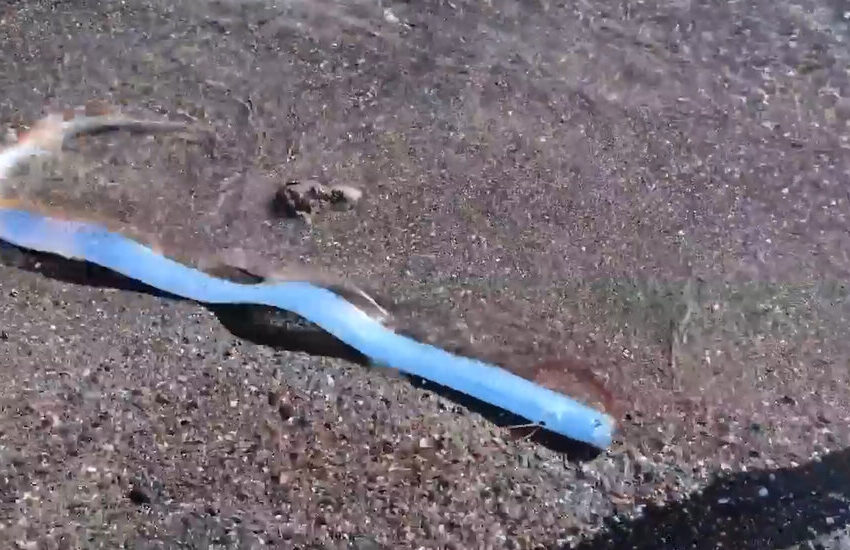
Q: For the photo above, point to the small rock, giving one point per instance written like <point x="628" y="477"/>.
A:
<point x="139" y="495"/>
<point x="294" y="199"/>
<point x="301" y="199"/>
<point x="345" y="195"/>
<point x="763" y="492"/>
<point x="311" y="189"/>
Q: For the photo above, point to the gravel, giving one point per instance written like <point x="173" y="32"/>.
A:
<point x="652" y="193"/>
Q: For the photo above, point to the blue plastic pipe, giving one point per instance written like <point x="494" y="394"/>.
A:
<point x="483" y="381"/>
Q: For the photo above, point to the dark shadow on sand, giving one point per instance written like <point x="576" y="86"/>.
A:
<point x="799" y="505"/>
<point x="280" y="330"/>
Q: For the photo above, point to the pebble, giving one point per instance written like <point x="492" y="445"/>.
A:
<point x="300" y="199"/>
<point x="138" y="495"/>
<point x="345" y="195"/>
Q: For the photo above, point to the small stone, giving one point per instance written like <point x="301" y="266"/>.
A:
<point x="295" y="199"/>
<point x="345" y="195"/>
<point x="310" y="188"/>
<point x="139" y="495"/>
<point x="763" y="492"/>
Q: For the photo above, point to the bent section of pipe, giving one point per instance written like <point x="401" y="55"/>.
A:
<point x="480" y="380"/>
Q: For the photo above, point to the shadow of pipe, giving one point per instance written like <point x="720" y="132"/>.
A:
<point x="734" y="511"/>
<point x="280" y="330"/>
<point x="271" y="327"/>
<point x="258" y="324"/>
<point x="517" y="426"/>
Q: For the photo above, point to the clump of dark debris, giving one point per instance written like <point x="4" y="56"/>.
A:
<point x="302" y="199"/>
